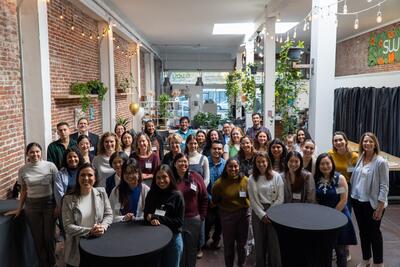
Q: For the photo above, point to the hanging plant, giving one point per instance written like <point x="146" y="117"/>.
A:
<point x="83" y="91"/>
<point x="249" y="88"/>
<point x="287" y="89"/>
<point x="97" y="87"/>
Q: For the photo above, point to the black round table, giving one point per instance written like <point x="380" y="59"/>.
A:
<point x="8" y="205"/>
<point x="307" y="233"/>
<point x="132" y="243"/>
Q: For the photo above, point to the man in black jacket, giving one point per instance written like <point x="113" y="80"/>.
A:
<point x="83" y="128"/>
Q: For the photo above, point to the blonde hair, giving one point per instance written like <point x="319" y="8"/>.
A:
<point x="236" y="129"/>
<point x="174" y="137"/>
<point x="148" y="143"/>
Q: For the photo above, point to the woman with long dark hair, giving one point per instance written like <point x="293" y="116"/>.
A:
<point x="36" y="178"/>
<point x="194" y="192"/>
<point x="128" y="198"/>
<point x="212" y="135"/>
<point x="277" y="153"/>
<point x="307" y="150"/>
<point x="86" y="211"/>
<point x="300" y="136"/>
<point x="331" y="191"/>
<point x="299" y="183"/>
<point x="230" y="194"/>
<point x="127" y="143"/>
<point x="246" y="155"/>
<point x="157" y="142"/>
<point x="266" y="189"/>
<point x="84" y="145"/>
<point x="164" y="204"/>
<point x="117" y="159"/>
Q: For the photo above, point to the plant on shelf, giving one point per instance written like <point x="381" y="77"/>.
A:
<point x="83" y="91"/>
<point x="287" y="89"/>
<point x="122" y="121"/>
<point x="97" y="87"/>
<point x="163" y="107"/>
<point x="206" y="120"/>
<point x="124" y="84"/>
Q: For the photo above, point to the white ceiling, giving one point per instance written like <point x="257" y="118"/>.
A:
<point x="180" y="26"/>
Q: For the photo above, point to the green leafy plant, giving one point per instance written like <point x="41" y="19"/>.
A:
<point x="233" y="86"/>
<point x="249" y="89"/>
<point x="97" y="87"/>
<point x="163" y="106"/>
<point x="122" y="121"/>
<point x="207" y="120"/>
<point x="287" y="89"/>
<point x="83" y="91"/>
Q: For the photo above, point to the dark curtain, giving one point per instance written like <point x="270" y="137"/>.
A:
<point x="358" y="110"/>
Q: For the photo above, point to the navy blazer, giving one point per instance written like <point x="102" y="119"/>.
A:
<point x="94" y="140"/>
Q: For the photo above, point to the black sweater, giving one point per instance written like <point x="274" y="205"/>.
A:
<point x="170" y="201"/>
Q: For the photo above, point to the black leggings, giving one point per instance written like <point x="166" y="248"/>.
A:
<point x="370" y="232"/>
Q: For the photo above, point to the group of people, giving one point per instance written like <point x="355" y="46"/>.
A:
<point x="222" y="180"/>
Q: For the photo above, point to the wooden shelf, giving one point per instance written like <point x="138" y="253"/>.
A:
<point x="123" y="94"/>
<point x="66" y="97"/>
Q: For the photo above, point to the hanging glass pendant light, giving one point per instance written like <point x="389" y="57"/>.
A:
<point x="199" y="81"/>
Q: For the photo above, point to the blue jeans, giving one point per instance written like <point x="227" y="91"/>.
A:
<point x="173" y="252"/>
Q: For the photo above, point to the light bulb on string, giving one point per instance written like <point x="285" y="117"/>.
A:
<point x="260" y="54"/>
<point x="287" y="38"/>
<point x="356" y="23"/>
<point x="98" y="36"/>
<point x="83" y="33"/>
<point x="281" y="39"/>
<point x="295" y="33"/>
<point x="62" y="13"/>
<point x="305" y="25"/>
<point x="278" y="18"/>
<point x="72" y="27"/>
<point x="379" y="15"/>
<point x="272" y="37"/>
<point x="308" y="26"/>
<point x="91" y="36"/>
<point x="117" y="46"/>
<point x="345" y="7"/>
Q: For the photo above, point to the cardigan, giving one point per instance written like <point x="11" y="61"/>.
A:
<point x="377" y="180"/>
<point x="72" y="218"/>
<point x="307" y="192"/>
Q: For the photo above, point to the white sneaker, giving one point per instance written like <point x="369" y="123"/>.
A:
<point x="364" y="263"/>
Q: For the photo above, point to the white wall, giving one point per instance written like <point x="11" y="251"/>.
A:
<point x="379" y="79"/>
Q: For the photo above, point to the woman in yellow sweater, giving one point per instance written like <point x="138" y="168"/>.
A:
<point x="230" y="194"/>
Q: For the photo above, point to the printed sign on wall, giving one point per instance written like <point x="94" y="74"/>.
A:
<point x="384" y="47"/>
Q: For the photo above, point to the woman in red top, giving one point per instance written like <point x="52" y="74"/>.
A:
<point x="147" y="160"/>
<point x="194" y="192"/>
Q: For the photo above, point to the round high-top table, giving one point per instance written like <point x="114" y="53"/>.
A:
<point x="16" y="243"/>
<point x="307" y="233"/>
<point x="126" y="244"/>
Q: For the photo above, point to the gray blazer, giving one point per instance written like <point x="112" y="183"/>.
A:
<point x="307" y="191"/>
<point x="72" y="218"/>
<point x="378" y="180"/>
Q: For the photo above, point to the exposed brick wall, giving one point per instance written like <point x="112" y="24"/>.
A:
<point x="122" y="69"/>
<point x="11" y="106"/>
<point x="352" y="56"/>
<point x="73" y="58"/>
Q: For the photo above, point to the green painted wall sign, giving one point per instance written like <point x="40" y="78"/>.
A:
<point x="384" y="47"/>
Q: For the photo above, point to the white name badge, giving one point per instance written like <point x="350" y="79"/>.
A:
<point x="154" y="148"/>
<point x="159" y="212"/>
<point x="350" y="169"/>
<point x="148" y="165"/>
<point x="297" y="196"/>
<point x="340" y="190"/>
<point x="193" y="187"/>
<point x="242" y="193"/>
<point x="91" y="148"/>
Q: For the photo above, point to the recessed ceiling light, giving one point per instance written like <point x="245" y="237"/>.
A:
<point x="233" y="28"/>
<point x="283" y="27"/>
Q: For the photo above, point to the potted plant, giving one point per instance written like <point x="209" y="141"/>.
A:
<point x="233" y="87"/>
<point x="97" y="87"/>
<point x="83" y="91"/>
<point x="287" y="89"/>
<point x="163" y="108"/>
<point x="122" y="121"/>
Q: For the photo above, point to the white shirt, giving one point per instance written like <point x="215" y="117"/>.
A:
<point x="265" y="191"/>
<point x="87" y="209"/>
<point x="360" y="188"/>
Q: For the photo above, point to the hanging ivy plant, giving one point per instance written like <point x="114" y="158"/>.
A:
<point x="287" y="89"/>
<point x="249" y="88"/>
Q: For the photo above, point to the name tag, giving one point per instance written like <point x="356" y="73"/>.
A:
<point x="154" y="148"/>
<point x="297" y="196"/>
<point x="193" y="187"/>
<point x="91" y="148"/>
<point x="340" y="190"/>
<point x="148" y="165"/>
<point x="350" y="169"/>
<point x="242" y="193"/>
<point x="159" y="212"/>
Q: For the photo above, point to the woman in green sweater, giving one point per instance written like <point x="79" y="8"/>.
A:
<point x="229" y="193"/>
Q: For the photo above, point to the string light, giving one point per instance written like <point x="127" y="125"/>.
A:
<point x="287" y="37"/>
<point x="98" y="36"/>
<point x="345" y="7"/>
<point x="280" y="39"/>
<point x="72" y="27"/>
<point x="295" y="33"/>
<point x="305" y="25"/>
<point x="83" y="33"/>
<point x="91" y="36"/>
<point x="278" y="18"/>
<point x="356" y="23"/>
<point x="379" y="15"/>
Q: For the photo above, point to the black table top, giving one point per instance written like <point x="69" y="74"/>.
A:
<point x="306" y="216"/>
<point x="7" y="205"/>
<point x="128" y="239"/>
